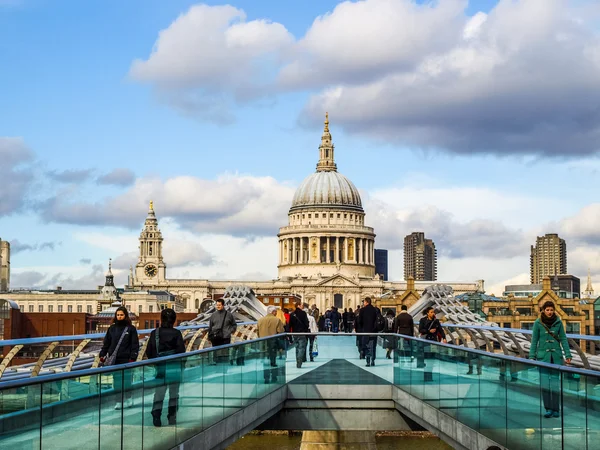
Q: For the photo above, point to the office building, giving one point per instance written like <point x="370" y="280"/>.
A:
<point x="548" y="258"/>
<point x="420" y="257"/>
<point x="381" y="263"/>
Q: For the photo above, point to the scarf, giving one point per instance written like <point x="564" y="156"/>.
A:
<point x="548" y="321"/>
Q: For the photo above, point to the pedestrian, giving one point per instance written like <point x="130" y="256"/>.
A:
<point x="367" y="320"/>
<point x="315" y="312"/>
<point x="221" y="326"/>
<point x="312" y="325"/>
<point x="282" y="344"/>
<point x="164" y="341"/>
<point x="328" y="320"/>
<point x="270" y="325"/>
<point x="321" y="323"/>
<point x="547" y="338"/>
<point x="430" y="329"/>
<point x="120" y="346"/>
<point x="389" y="341"/>
<point x="349" y="321"/>
<point x="358" y="329"/>
<point x="336" y="317"/>
<point x="299" y="324"/>
<point x="405" y="325"/>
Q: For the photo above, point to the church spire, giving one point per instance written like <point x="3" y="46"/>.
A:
<point x="589" y="289"/>
<point x="326" y="160"/>
<point x="110" y="279"/>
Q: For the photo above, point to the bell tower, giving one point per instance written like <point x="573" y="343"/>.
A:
<point x="150" y="269"/>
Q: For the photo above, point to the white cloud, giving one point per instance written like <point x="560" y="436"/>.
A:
<point x="360" y="41"/>
<point x="522" y="79"/>
<point x="236" y="204"/>
<point x="208" y="53"/>
<point x="67" y="277"/>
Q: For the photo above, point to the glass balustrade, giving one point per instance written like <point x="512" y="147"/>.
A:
<point x="503" y="398"/>
<point x="113" y="407"/>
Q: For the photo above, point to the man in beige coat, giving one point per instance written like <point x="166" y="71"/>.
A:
<point x="270" y="325"/>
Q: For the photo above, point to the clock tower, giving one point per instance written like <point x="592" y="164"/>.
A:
<point x="150" y="269"/>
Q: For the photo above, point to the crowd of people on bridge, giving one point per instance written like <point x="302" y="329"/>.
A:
<point x="121" y="345"/>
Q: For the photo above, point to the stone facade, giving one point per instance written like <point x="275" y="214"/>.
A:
<point x="326" y="252"/>
<point x="521" y="312"/>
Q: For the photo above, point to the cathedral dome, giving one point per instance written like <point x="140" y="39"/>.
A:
<point x="327" y="189"/>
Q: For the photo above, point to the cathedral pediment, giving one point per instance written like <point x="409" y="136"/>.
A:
<point x="337" y="280"/>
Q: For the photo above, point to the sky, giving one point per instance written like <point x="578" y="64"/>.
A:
<point x="476" y="122"/>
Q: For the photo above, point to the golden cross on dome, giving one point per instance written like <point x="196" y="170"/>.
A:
<point x="151" y="205"/>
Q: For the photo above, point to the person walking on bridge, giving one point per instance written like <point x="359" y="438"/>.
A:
<point x="270" y="325"/>
<point x="164" y="341"/>
<point x="367" y="323"/>
<point x="121" y="345"/>
<point x="405" y="325"/>
<point x="312" y="325"/>
<point x="547" y="338"/>
<point x="221" y="326"/>
<point x="430" y="329"/>
<point x="299" y="324"/>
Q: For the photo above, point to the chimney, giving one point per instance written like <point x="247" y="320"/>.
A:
<point x="410" y="283"/>
<point x="546" y="284"/>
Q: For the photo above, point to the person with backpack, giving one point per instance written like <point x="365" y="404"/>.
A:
<point x="367" y="321"/>
<point x="548" y="336"/>
<point x="120" y="346"/>
<point x="389" y="341"/>
<point x="164" y="341"/>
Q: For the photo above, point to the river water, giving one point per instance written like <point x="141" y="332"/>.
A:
<point x="414" y="441"/>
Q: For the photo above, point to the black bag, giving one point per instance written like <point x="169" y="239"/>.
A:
<point x="379" y="322"/>
<point x="157" y="339"/>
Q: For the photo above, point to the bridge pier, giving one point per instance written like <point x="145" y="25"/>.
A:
<point x="338" y="440"/>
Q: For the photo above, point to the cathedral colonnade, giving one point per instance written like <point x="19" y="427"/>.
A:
<point x="307" y="249"/>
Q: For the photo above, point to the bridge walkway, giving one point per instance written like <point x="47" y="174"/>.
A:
<point x="500" y="399"/>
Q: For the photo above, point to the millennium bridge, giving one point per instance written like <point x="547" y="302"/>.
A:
<point x="478" y="391"/>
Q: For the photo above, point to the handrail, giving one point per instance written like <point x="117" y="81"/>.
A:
<point x="47" y="339"/>
<point x="532" y="362"/>
<point x="146" y="362"/>
<point x="516" y="330"/>
<point x="99" y="370"/>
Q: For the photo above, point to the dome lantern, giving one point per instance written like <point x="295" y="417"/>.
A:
<point x="327" y="187"/>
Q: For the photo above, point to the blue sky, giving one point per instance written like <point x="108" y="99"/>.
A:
<point x="458" y="118"/>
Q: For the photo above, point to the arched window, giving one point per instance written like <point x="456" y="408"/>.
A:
<point x="197" y="304"/>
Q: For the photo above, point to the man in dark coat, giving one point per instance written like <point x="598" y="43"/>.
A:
<point x="221" y="325"/>
<point x="405" y="325"/>
<point x="367" y="319"/>
<point x="299" y="324"/>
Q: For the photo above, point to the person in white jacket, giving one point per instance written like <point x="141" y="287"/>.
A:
<point x="312" y="325"/>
